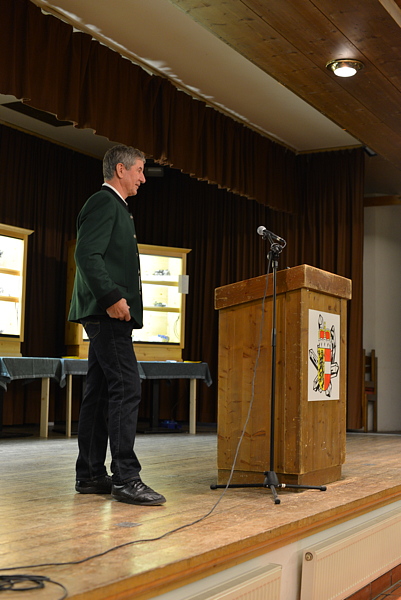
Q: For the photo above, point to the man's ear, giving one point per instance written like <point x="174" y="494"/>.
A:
<point x="119" y="170"/>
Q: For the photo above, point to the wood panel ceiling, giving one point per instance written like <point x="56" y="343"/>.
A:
<point x="292" y="40"/>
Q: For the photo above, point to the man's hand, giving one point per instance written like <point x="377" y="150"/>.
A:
<point x="119" y="310"/>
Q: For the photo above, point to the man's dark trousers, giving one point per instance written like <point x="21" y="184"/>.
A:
<point x="111" y="402"/>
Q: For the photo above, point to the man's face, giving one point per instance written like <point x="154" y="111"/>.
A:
<point x="132" y="178"/>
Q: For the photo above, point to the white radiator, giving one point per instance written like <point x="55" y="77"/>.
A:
<point x="259" y="584"/>
<point x="345" y="563"/>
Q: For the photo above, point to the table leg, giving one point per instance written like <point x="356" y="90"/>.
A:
<point x="68" y="405"/>
<point x="44" y="407"/>
<point x="192" y="406"/>
<point x="155" y="406"/>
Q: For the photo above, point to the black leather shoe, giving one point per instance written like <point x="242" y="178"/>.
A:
<point x="136" y="492"/>
<point x="100" y="485"/>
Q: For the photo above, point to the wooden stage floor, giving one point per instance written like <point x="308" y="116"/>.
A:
<point x="43" y="520"/>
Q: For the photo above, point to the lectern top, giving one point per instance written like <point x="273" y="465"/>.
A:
<point x="302" y="276"/>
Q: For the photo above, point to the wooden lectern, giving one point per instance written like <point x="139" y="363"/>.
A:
<point x="309" y="440"/>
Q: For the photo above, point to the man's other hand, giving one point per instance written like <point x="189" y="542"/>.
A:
<point x="119" y="310"/>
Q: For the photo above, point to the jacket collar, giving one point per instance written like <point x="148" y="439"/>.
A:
<point x="115" y="195"/>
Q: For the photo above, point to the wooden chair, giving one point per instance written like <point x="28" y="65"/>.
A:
<point x="369" y="388"/>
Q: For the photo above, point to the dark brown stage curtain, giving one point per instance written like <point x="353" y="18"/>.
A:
<point x="220" y="227"/>
<point x="43" y="186"/>
<point x="79" y="80"/>
<point x="331" y="186"/>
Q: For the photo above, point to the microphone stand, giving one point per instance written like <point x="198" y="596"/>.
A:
<point x="271" y="481"/>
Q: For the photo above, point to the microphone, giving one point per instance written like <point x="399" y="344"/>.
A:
<point x="266" y="234"/>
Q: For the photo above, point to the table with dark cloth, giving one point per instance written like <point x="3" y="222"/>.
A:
<point x="27" y="369"/>
<point x="63" y="369"/>
<point x="157" y="370"/>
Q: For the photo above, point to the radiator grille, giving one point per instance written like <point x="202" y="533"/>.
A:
<point x="343" y="564"/>
<point x="258" y="584"/>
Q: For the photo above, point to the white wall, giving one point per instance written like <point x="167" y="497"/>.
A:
<point x="382" y="307"/>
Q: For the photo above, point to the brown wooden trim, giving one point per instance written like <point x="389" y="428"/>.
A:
<point x="381" y="200"/>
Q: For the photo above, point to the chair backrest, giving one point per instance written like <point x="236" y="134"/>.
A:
<point x="370" y="366"/>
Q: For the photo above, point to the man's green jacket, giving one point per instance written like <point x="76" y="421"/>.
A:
<point x="107" y="259"/>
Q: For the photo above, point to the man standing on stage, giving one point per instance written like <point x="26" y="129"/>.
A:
<point x="107" y="300"/>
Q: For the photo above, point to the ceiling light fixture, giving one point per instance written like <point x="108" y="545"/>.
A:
<point x="345" y="67"/>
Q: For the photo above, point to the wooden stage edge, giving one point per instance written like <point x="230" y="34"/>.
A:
<point x="147" y="586"/>
<point x="44" y="520"/>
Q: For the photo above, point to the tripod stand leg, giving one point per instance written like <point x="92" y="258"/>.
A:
<point x="275" y="495"/>
<point x="322" y="488"/>
<point x="215" y="486"/>
<point x="271" y="481"/>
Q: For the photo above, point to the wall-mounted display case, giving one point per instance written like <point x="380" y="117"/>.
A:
<point x="13" y="257"/>
<point x="164" y="286"/>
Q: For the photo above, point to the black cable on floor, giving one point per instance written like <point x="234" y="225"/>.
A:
<point x="27" y="583"/>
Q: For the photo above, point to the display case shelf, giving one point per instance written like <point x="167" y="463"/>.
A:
<point x="166" y="309"/>
<point x="9" y="271"/>
<point x="157" y="280"/>
<point x="13" y="257"/>
<point x="9" y="299"/>
<point x="164" y="283"/>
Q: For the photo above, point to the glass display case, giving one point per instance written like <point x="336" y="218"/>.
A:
<point x="164" y="285"/>
<point x="13" y="255"/>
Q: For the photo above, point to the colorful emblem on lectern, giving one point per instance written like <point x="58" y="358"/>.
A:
<point x="324" y="360"/>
